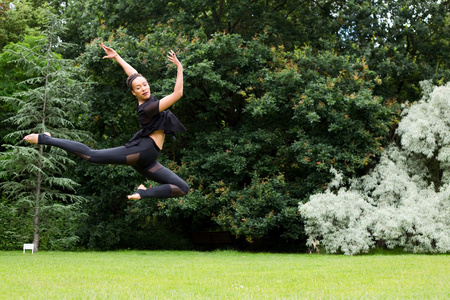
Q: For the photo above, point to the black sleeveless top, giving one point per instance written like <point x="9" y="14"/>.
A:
<point x="150" y="120"/>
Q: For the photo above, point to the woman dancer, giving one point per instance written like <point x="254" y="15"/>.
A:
<point x="142" y="151"/>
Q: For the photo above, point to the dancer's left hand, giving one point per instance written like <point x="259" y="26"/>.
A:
<point x="173" y="59"/>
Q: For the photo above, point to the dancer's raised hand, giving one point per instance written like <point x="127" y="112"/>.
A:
<point x="110" y="52"/>
<point x="173" y="59"/>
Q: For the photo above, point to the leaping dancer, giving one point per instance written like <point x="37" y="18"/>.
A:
<point x="142" y="151"/>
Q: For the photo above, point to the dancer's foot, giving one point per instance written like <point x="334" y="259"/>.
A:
<point x="34" y="137"/>
<point x="136" y="196"/>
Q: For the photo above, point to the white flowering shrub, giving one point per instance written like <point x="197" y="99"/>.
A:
<point x="339" y="221"/>
<point x="420" y="224"/>
<point x="425" y="126"/>
<point x="394" y="178"/>
<point x="400" y="203"/>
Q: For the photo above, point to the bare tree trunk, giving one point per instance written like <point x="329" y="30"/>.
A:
<point x="38" y="202"/>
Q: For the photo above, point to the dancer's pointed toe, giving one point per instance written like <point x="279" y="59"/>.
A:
<point x="31" y="138"/>
<point x="34" y="137"/>
<point x="134" y="197"/>
<point x="137" y="195"/>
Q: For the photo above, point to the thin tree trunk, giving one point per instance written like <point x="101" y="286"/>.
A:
<point x="41" y="153"/>
<point x="38" y="202"/>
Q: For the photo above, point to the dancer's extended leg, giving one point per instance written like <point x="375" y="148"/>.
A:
<point x="118" y="155"/>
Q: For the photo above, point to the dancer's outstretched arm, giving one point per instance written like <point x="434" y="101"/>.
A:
<point x="167" y="101"/>
<point x="111" y="53"/>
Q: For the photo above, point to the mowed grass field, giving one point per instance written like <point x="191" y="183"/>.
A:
<point x="221" y="275"/>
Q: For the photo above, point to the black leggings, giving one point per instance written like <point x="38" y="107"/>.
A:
<point x="141" y="157"/>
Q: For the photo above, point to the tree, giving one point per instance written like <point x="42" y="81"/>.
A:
<point x="34" y="176"/>
<point x="289" y="23"/>
<point x="18" y="19"/>
<point x="10" y="78"/>
<point x="403" y="41"/>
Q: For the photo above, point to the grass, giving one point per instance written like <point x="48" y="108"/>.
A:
<point x="221" y="275"/>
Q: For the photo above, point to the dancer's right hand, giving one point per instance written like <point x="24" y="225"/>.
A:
<point x="110" y="53"/>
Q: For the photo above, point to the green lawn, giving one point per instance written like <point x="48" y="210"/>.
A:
<point x="221" y="275"/>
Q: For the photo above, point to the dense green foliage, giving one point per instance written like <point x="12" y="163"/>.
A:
<point x="276" y="93"/>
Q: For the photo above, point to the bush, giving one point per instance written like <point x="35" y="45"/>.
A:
<point x="257" y="209"/>
<point x="340" y="221"/>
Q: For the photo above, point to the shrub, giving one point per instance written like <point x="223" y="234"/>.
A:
<point x="339" y="220"/>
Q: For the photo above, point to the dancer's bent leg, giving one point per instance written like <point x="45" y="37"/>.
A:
<point x="172" y="184"/>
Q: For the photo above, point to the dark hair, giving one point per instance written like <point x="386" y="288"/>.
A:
<point x="131" y="78"/>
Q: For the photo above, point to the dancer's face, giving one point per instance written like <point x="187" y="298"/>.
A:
<point x="141" y="88"/>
